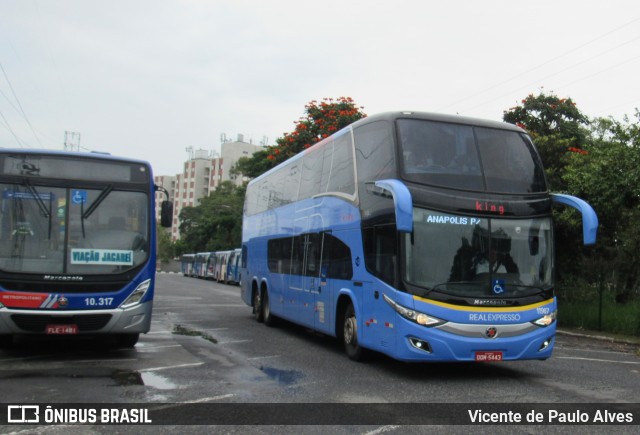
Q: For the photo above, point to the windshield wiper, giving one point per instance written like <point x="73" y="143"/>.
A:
<point x="41" y="205"/>
<point x="94" y="205"/>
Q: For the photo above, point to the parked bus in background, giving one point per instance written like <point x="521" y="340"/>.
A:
<point x="233" y="267"/>
<point x="186" y="264"/>
<point x="422" y="236"/>
<point x="77" y="245"/>
<point x="222" y="263"/>
<point x="200" y="264"/>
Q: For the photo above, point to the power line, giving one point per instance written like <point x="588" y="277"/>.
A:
<point x="26" y="118"/>
<point x="8" y="127"/>
<point x="542" y="64"/>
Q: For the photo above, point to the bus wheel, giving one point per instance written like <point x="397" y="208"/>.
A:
<point x="127" y="340"/>
<point x="267" y="316"/>
<point x="6" y="341"/>
<point x="350" y="336"/>
<point x="258" y="314"/>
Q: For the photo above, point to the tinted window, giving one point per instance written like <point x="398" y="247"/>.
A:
<point x="375" y="161"/>
<point x="440" y="154"/>
<point x="381" y="252"/>
<point x="300" y="255"/>
<point x="467" y="157"/>
<point x="510" y="162"/>
<point x="342" y="176"/>
<point x="336" y="259"/>
<point x="311" y="174"/>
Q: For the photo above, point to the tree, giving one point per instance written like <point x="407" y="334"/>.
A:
<point x="216" y="223"/>
<point x="321" y="120"/>
<point x="556" y="126"/>
<point x="607" y="177"/>
<point x="165" y="247"/>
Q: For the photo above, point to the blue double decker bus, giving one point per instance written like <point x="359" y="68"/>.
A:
<point x="425" y="237"/>
<point x="77" y="245"/>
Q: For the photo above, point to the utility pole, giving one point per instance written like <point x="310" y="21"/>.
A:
<point x="71" y="141"/>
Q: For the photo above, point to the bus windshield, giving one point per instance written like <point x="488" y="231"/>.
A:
<point x="66" y="230"/>
<point x="469" y="157"/>
<point x="472" y="257"/>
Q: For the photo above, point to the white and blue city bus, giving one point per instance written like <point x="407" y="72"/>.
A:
<point x="77" y="245"/>
<point x="422" y="236"/>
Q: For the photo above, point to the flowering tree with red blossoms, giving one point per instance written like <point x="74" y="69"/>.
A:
<point x="321" y="120"/>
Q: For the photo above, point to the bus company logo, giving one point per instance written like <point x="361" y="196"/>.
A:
<point x="64" y="278"/>
<point x="491" y="332"/>
<point x="63" y="301"/>
<point x="23" y="414"/>
<point x="490" y="302"/>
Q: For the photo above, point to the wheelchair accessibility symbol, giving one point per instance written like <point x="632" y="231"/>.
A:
<point x="79" y="196"/>
<point x="498" y="286"/>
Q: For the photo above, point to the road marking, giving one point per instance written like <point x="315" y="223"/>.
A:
<point x="263" y="357"/>
<point x="142" y="349"/>
<point x="155" y="369"/>
<point x="382" y="429"/>
<point x="233" y="341"/>
<point x="598" y="360"/>
<point x="209" y="399"/>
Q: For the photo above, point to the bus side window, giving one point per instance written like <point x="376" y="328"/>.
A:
<point x="336" y="258"/>
<point x="380" y="247"/>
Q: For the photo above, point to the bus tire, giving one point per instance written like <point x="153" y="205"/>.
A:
<point x="268" y="317"/>
<point x="258" y="313"/>
<point x="6" y="341"/>
<point x="127" y="340"/>
<point x="350" y="340"/>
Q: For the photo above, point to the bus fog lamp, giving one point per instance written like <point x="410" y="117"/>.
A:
<point x="545" y="344"/>
<point x="420" y="344"/>
<point x="137" y="295"/>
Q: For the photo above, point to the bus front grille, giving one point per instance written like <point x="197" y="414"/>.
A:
<point x="38" y="323"/>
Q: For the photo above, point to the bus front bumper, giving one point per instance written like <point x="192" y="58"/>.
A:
<point x="134" y="320"/>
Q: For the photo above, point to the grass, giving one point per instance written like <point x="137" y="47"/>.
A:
<point x="619" y="319"/>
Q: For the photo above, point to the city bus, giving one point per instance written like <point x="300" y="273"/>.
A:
<point x="233" y="267"/>
<point x="201" y="263"/>
<point x="186" y="264"/>
<point x="425" y="237"/>
<point x="77" y="245"/>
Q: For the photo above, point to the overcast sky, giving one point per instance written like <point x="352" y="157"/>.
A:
<point x="149" y="78"/>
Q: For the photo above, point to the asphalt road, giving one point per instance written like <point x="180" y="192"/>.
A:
<point x="206" y="356"/>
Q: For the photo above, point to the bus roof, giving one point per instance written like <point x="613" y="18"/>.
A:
<point x="391" y="117"/>
<point x="78" y="154"/>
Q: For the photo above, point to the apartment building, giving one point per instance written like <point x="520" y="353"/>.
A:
<point x="201" y="174"/>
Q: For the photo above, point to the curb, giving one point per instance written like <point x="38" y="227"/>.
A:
<point x="598" y="337"/>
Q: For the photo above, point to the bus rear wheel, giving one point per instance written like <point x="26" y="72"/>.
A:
<point x="6" y="341"/>
<point x="350" y="336"/>
<point x="267" y="316"/>
<point x="258" y="314"/>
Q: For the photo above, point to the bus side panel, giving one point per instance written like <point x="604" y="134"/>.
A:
<point x="380" y="323"/>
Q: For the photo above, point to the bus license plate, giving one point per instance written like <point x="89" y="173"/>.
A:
<point x="61" y="329"/>
<point x="489" y="355"/>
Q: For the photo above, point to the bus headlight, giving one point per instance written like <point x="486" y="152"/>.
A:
<point x="136" y="296"/>
<point x="546" y="320"/>
<point x="413" y="315"/>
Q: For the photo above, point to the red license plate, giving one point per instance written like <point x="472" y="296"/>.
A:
<point x="61" y="329"/>
<point x="489" y="355"/>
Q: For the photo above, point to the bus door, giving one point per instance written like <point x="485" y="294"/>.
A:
<point x="300" y="300"/>
<point x="336" y="272"/>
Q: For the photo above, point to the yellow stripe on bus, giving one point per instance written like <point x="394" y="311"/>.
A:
<point x="483" y="309"/>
